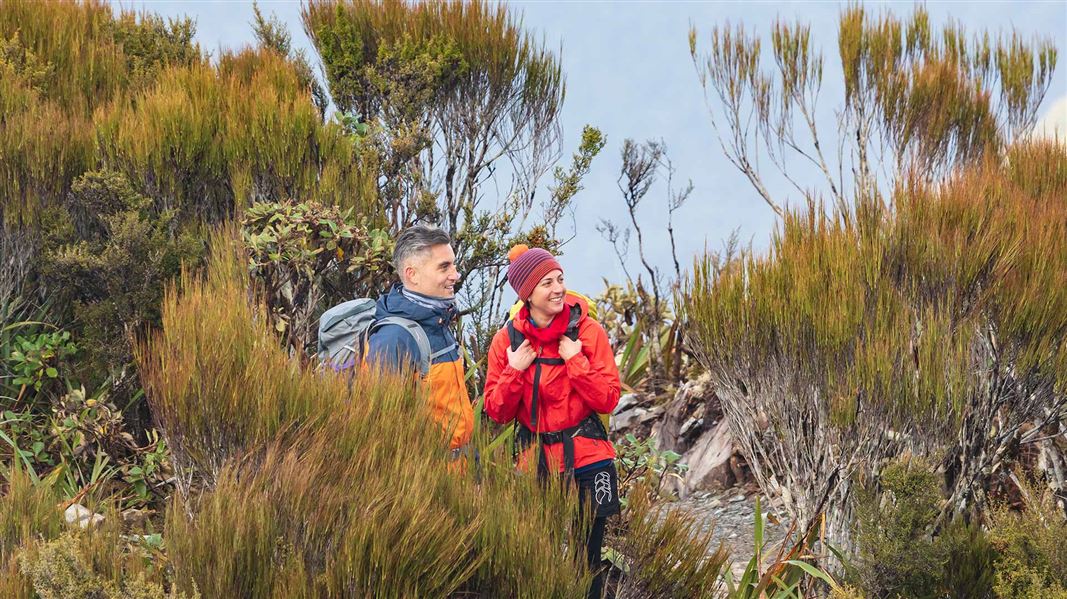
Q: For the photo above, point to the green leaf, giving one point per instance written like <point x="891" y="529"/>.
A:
<point x="811" y="571"/>
<point x="51" y="372"/>
<point x="759" y="528"/>
<point x="154" y="541"/>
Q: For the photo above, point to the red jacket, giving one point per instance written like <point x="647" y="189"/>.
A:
<point x="587" y="383"/>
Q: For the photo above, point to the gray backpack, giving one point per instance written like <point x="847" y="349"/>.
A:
<point x="345" y="328"/>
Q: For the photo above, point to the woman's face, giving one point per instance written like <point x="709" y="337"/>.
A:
<point x="547" y="296"/>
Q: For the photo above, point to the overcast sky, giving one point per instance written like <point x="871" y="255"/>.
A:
<point x="629" y="73"/>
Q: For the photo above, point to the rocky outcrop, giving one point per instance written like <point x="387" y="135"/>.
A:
<point x="691" y="424"/>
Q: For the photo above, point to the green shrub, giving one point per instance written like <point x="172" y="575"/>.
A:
<point x="898" y="553"/>
<point x="108" y="254"/>
<point x="69" y="568"/>
<point x="1032" y="555"/>
<point x="641" y="464"/>
<point x="969" y="570"/>
<point x="34" y="359"/>
<point x="305" y="257"/>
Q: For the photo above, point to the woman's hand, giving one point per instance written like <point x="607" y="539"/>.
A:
<point x="569" y="348"/>
<point x="521" y="358"/>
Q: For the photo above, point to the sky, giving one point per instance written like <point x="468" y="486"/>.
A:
<point x="629" y="73"/>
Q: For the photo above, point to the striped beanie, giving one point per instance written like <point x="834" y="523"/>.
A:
<point x="528" y="266"/>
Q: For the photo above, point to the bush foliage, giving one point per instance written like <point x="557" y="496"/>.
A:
<point x="918" y="330"/>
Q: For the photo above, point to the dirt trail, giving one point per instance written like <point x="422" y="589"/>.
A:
<point x="731" y="515"/>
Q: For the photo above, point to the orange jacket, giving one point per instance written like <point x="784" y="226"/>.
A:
<point x="585" y="384"/>
<point x="394" y="347"/>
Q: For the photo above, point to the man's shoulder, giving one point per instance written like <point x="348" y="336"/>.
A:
<point x="393" y="333"/>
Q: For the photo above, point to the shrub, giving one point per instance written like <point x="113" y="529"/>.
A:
<point x="34" y="360"/>
<point x="82" y="565"/>
<point x="642" y="465"/>
<point x="664" y="553"/>
<point x="866" y="329"/>
<point x="969" y="568"/>
<point x="1031" y="556"/>
<point x="900" y="551"/>
<point x="897" y="553"/>
<point x="306" y="257"/>
<point x="69" y="60"/>
<point x="107" y="256"/>
<point x="850" y="344"/>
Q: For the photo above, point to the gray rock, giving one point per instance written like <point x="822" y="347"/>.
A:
<point x="81" y="516"/>
<point x="626" y="402"/>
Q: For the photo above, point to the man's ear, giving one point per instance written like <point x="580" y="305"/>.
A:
<point x="410" y="272"/>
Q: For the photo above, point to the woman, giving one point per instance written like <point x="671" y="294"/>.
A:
<point x="552" y="369"/>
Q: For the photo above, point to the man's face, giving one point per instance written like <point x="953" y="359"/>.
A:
<point x="433" y="273"/>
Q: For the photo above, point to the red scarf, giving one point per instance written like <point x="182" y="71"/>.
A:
<point x="551" y="333"/>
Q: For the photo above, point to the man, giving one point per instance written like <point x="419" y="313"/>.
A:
<point x="426" y="265"/>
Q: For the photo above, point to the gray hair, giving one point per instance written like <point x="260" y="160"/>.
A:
<point x="414" y="241"/>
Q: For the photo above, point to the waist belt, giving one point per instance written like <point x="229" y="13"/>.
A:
<point x="590" y="428"/>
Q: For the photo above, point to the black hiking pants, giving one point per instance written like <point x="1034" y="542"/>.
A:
<point x="599" y="489"/>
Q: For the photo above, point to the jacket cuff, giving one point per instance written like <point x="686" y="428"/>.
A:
<point x="578" y="364"/>
<point x="509" y="377"/>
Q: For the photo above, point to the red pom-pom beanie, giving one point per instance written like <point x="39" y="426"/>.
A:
<point x="528" y="266"/>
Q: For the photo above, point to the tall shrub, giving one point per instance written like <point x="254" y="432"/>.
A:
<point x="936" y="329"/>
<point x="916" y="309"/>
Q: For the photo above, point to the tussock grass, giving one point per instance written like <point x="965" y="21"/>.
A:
<point x="28" y="514"/>
<point x="667" y="554"/>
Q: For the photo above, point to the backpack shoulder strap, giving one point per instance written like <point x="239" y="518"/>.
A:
<point x="572" y="326"/>
<point x="421" y="339"/>
<point x="515" y="337"/>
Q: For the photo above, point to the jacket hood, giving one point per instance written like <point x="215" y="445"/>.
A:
<point x="395" y="303"/>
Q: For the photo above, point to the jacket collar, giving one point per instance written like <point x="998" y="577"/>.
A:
<point x="396" y="303"/>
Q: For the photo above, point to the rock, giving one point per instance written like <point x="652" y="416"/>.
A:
<point x="689" y="425"/>
<point x="709" y="462"/>
<point x="81" y="516"/>
<point x="737" y="499"/>
<point x="626" y="402"/>
<point x="134" y="516"/>
<point x="625" y="420"/>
